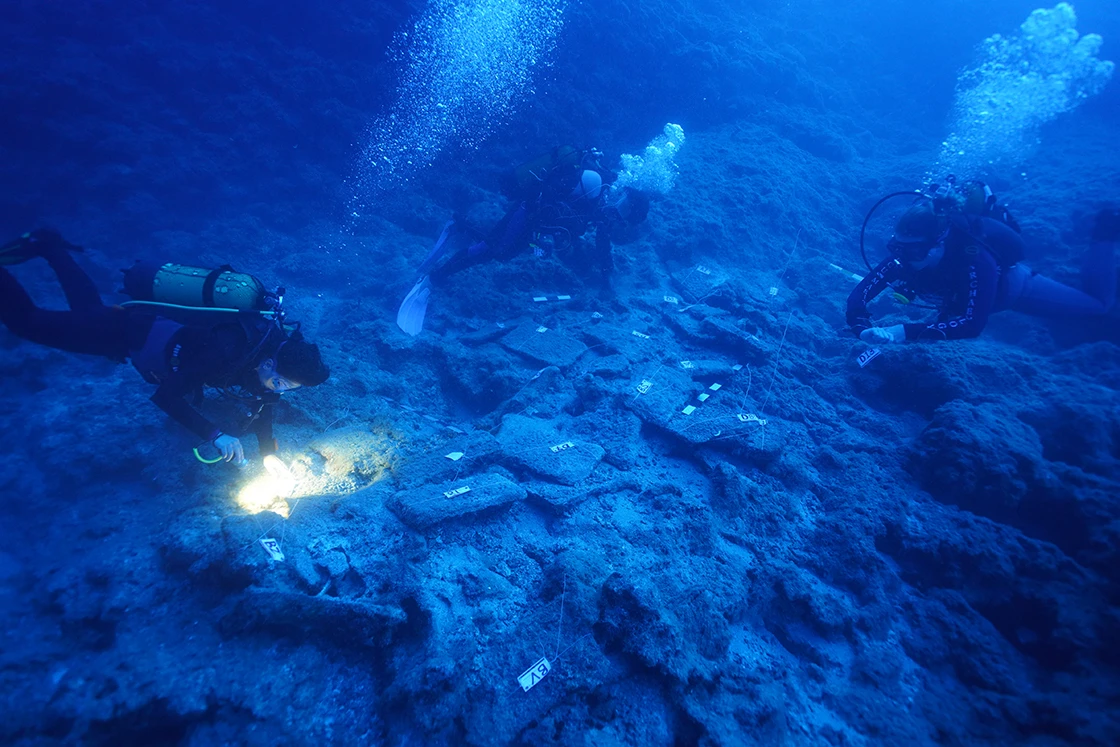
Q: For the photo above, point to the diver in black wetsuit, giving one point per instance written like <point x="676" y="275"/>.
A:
<point x="558" y="197"/>
<point x="970" y="267"/>
<point x="252" y="359"/>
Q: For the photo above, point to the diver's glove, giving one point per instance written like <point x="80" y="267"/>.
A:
<point x="231" y="448"/>
<point x="1107" y="225"/>
<point x="894" y="333"/>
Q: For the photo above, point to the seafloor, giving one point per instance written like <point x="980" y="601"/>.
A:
<point x="921" y="551"/>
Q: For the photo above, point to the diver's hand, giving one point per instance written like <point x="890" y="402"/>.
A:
<point x="894" y="333"/>
<point x="1107" y="225"/>
<point x="231" y="448"/>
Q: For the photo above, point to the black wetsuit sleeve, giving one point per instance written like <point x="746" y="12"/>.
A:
<point x="263" y="428"/>
<point x="864" y="293"/>
<point x="171" y="398"/>
<point x="967" y="310"/>
<point x="604" y="257"/>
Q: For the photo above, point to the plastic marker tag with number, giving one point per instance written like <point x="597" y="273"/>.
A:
<point x="671" y="299"/>
<point x="455" y="456"/>
<point x="457" y="491"/>
<point x="534" y="674"/>
<point x="750" y="418"/>
<point x="644" y="386"/>
<point x="642" y="335"/>
<point x="272" y="547"/>
<point x="773" y="291"/>
<point x="596" y="315"/>
<point x="867" y="356"/>
<point x="703" y="270"/>
<point x="561" y="447"/>
<point x="542" y="329"/>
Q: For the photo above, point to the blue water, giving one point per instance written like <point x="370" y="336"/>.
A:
<point x="922" y="550"/>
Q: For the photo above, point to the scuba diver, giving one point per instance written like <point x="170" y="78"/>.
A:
<point x="961" y="250"/>
<point x="238" y="345"/>
<point x="555" y="200"/>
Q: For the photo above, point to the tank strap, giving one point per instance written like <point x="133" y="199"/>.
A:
<point x="210" y="282"/>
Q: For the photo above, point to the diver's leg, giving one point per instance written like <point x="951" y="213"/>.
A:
<point x="93" y="331"/>
<point x="80" y="291"/>
<point x="1040" y="296"/>
<point x="1098" y="274"/>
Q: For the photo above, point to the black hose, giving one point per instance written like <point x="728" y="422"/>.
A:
<point x="867" y="219"/>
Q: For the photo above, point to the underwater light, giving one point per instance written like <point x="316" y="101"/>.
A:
<point x="268" y="492"/>
<point x="283" y="478"/>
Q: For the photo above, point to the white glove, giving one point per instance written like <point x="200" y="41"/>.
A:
<point x="231" y="449"/>
<point x="873" y="335"/>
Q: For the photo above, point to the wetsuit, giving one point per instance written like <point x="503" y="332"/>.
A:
<point x="552" y="212"/>
<point x="979" y="275"/>
<point x="180" y="359"/>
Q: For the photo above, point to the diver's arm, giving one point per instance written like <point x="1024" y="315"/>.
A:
<point x="263" y="428"/>
<point x="974" y="306"/>
<point x="171" y="398"/>
<point x="871" y="286"/>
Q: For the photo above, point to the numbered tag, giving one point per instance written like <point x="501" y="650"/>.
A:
<point x="644" y="386"/>
<point x="671" y="299"/>
<point x="703" y="270"/>
<point x="642" y="335"/>
<point x="272" y="547"/>
<point x="534" y="674"/>
<point x="750" y="418"/>
<point x="457" y="491"/>
<point x="542" y="329"/>
<point x="596" y="315"/>
<point x="561" y="447"/>
<point x="687" y="364"/>
<point x="773" y="291"/>
<point x="867" y="356"/>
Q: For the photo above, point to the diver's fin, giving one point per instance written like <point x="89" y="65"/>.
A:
<point x="410" y="316"/>
<point x="18" y="251"/>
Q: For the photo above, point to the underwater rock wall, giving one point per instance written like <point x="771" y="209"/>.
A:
<point x="919" y="551"/>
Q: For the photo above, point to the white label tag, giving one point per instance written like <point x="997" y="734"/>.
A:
<point x="561" y="447"/>
<point x="644" y="386"/>
<point x="773" y="291"/>
<point x="455" y="456"/>
<point x="737" y="367"/>
<point x="596" y="315"/>
<point x="867" y="356"/>
<point x="703" y="270"/>
<point x="703" y="397"/>
<point x="563" y="298"/>
<point x="750" y="418"/>
<point x="671" y="299"/>
<point x="538" y="299"/>
<point x="457" y="491"/>
<point x="272" y="547"/>
<point x="716" y="387"/>
<point x="689" y="410"/>
<point x="542" y="329"/>
<point x="534" y="674"/>
<point x="642" y="335"/>
<point x="687" y="364"/>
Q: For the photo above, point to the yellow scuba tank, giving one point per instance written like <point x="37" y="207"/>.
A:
<point x="182" y="285"/>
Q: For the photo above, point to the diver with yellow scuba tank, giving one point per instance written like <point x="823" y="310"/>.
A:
<point x="958" y="248"/>
<point x="185" y="329"/>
